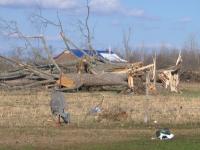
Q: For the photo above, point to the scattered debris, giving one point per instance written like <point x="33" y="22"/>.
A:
<point x="95" y="110"/>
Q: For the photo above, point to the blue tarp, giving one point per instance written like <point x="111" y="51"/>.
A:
<point x="79" y="53"/>
<point x="102" y="54"/>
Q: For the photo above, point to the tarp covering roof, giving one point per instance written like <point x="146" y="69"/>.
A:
<point x="108" y="55"/>
<point x="112" y="57"/>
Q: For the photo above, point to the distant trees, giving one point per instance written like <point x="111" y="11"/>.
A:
<point x="191" y="53"/>
<point x="166" y="56"/>
<point x="126" y="44"/>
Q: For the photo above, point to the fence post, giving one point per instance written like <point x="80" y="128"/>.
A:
<point x="146" y="118"/>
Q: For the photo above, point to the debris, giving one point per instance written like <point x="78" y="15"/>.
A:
<point x="164" y="134"/>
<point x="89" y="76"/>
<point x="170" y="77"/>
<point x="95" y="110"/>
<point x="65" y="81"/>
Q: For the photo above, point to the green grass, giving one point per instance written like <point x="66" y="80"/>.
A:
<point x="189" y="93"/>
<point x="141" y="143"/>
<point x="26" y="147"/>
<point x="144" y="144"/>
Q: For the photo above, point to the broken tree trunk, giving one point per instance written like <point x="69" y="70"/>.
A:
<point x="74" y="81"/>
<point x="170" y="77"/>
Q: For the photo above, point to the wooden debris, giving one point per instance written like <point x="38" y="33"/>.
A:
<point x="12" y="75"/>
<point x="65" y="81"/>
<point x="170" y="77"/>
<point x="135" y="71"/>
<point x="131" y="76"/>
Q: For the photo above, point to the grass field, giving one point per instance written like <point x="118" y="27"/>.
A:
<point x="96" y="139"/>
<point x="26" y="121"/>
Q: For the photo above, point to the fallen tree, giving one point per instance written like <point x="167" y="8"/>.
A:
<point x="171" y="77"/>
<point x="104" y="79"/>
<point x="132" y="76"/>
<point x="13" y="75"/>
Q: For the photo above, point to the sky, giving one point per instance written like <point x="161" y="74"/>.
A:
<point x="152" y="22"/>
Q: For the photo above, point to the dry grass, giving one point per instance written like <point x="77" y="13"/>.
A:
<point x="25" y="117"/>
<point x="65" y="136"/>
<point x="31" y="108"/>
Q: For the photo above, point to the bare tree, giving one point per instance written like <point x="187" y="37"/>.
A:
<point x="191" y="53"/>
<point x="86" y="30"/>
<point x="67" y="41"/>
<point x="11" y="29"/>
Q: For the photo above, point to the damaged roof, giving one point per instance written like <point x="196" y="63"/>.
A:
<point x="76" y="53"/>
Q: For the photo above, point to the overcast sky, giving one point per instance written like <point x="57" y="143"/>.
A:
<point x="153" y="22"/>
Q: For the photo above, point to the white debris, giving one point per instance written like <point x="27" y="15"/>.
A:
<point x="112" y="57"/>
<point x="164" y="134"/>
<point x="95" y="110"/>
